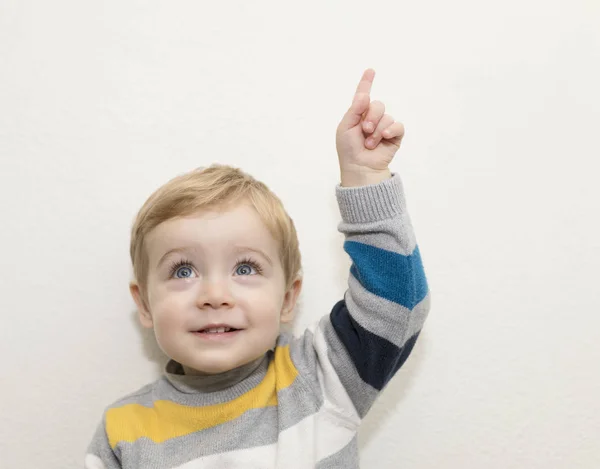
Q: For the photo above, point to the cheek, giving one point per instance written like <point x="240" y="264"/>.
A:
<point x="172" y="295"/>
<point x="263" y="290"/>
<point x="264" y="306"/>
<point x="168" y="311"/>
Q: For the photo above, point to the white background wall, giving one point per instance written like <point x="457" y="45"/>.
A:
<point x="101" y="102"/>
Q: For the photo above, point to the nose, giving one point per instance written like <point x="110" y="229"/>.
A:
<point x="214" y="293"/>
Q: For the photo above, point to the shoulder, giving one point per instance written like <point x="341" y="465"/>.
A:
<point x="143" y="396"/>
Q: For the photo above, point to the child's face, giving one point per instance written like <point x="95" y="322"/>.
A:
<point x="215" y="269"/>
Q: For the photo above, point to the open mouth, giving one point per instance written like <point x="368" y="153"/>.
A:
<point x="217" y="330"/>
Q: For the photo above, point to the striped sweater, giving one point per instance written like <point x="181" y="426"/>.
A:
<point x="300" y="405"/>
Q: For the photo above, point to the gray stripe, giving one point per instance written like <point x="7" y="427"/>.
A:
<point x="144" y="394"/>
<point x="306" y="388"/>
<point x="304" y="357"/>
<point x="285" y="338"/>
<point x="347" y="458"/>
<point x="297" y="402"/>
<point x="376" y="201"/>
<point x="99" y="447"/>
<point x="377" y="215"/>
<point x="382" y="317"/>
<point x="394" y="234"/>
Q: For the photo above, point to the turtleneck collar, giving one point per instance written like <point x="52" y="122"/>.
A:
<point x="212" y="383"/>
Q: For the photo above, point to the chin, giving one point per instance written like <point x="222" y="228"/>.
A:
<point x="215" y="367"/>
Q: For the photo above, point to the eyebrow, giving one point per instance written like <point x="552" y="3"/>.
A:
<point x="171" y="251"/>
<point x="238" y="249"/>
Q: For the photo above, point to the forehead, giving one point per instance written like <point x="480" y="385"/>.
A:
<point x="212" y="229"/>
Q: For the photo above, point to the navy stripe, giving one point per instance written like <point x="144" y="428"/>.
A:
<point x="387" y="274"/>
<point x="375" y="358"/>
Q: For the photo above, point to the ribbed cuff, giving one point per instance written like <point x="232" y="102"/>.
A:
<point x="371" y="203"/>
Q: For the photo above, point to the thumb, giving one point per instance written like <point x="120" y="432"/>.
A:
<point x="356" y="112"/>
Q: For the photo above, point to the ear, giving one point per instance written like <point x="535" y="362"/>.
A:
<point x="289" y="301"/>
<point x="143" y="311"/>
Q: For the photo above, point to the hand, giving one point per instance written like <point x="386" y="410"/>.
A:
<point x="362" y="161"/>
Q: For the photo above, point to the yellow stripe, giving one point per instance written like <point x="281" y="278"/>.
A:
<point x="167" y="419"/>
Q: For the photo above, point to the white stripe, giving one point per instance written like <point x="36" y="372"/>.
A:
<point x="337" y="401"/>
<point x="314" y="438"/>
<point x="261" y="457"/>
<point x="301" y="446"/>
<point x="93" y="462"/>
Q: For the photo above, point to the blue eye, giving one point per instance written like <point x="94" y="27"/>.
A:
<point x="244" y="269"/>
<point x="181" y="269"/>
<point x="184" y="272"/>
<point x="248" y="266"/>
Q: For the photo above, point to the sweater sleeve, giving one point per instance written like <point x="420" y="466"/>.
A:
<point x="100" y="455"/>
<point x="354" y="351"/>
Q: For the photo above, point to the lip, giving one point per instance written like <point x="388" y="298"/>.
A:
<point x="215" y="326"/>
<point x="217" y="336"/>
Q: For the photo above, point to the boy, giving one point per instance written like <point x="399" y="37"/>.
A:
<point x="217" y="271"/>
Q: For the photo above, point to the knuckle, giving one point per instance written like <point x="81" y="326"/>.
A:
<point x="376" y="108"/>
<point x="379" y="106"/>
<point x="386" y="122"/>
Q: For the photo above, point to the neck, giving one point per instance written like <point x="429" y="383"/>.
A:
<point x="195" y="380"/>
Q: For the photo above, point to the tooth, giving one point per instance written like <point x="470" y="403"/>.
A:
<point x="227" y="329"/>
<point x="212" y="330"/>
<point x="221" y="329"/>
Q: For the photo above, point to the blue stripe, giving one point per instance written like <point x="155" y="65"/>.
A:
<point x="387" y="274"/>
<point x="375" y="358"/>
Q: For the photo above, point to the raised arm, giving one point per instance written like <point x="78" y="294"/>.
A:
<point x="356" y="349"/>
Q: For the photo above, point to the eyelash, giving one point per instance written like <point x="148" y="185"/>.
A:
<point x="251" y="262"/>
<point x="247" y="260"/>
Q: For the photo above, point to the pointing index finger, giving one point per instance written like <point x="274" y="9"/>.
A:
<point x="366" y="82"/>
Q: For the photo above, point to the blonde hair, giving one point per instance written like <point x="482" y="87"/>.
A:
<point x="207" y="188"/>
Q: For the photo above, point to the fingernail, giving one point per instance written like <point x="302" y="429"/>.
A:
<point x="369" y="127"/>
<point x="370" y="142"/>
